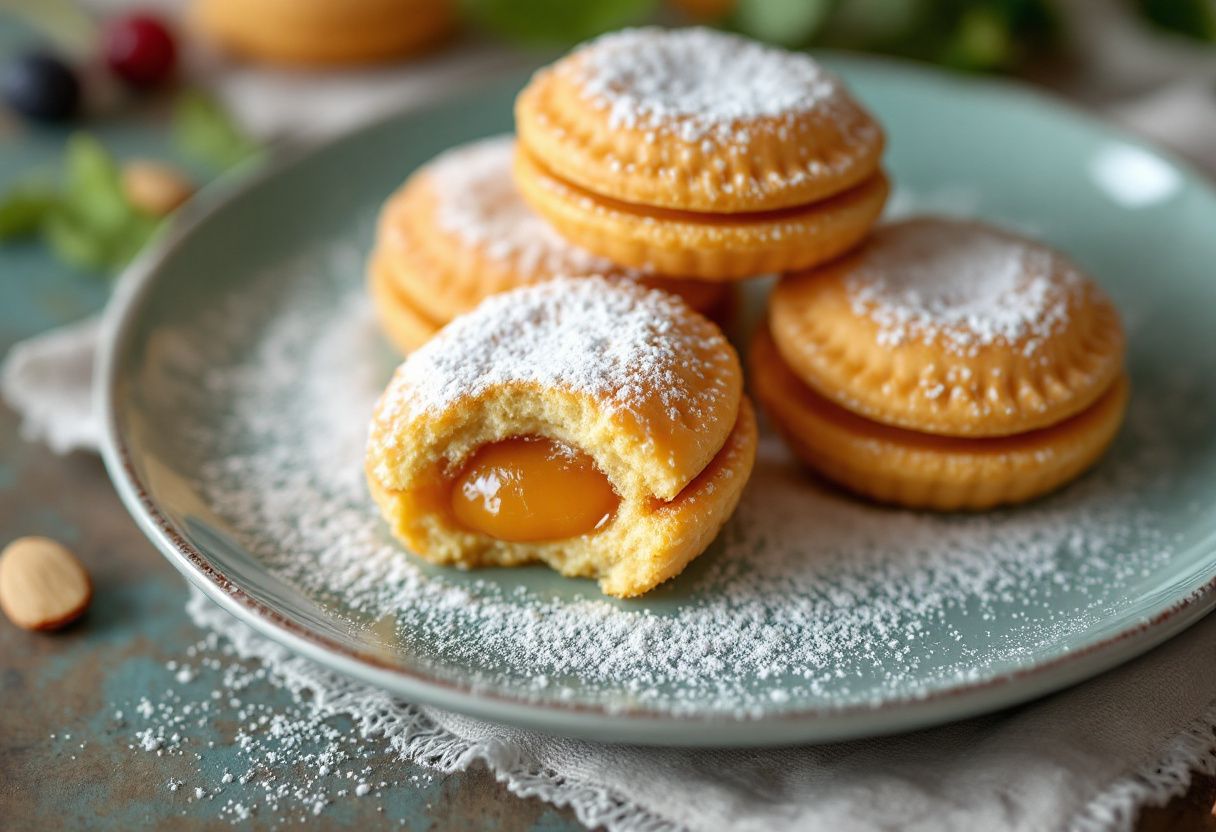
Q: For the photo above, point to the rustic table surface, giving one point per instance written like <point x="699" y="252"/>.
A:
<point x="66" y="759"/>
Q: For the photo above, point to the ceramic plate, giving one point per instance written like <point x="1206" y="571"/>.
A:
<point x="241" y="363"/>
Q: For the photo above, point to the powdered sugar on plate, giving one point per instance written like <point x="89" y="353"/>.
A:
<point x="477" y="201"/>
<point x="808" y="599"/>
<point x="961" y="284"/>
<point x="697" y="82"/>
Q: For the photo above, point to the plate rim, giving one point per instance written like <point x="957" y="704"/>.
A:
<point x="632" y="724"/>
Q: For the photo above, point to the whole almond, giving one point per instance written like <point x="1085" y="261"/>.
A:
<point x="154" y="187"/>
<point x="42" y="584"/>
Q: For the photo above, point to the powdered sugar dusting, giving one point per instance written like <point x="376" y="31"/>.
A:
<point x="477" y="201"/>
<point x="807" y="598"/>
<point x="699" y="83"/>
<point x="618" y="343"/>
<point x="259" y="735"/>
<point x="962" y="285"/>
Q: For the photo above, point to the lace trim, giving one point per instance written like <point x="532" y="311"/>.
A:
<point x="1156" y="782"/>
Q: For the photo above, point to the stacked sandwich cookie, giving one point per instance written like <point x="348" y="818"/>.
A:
<point x="944" y="365"/>
<point x="699" y="153"/>
<point x="458" y="232"/>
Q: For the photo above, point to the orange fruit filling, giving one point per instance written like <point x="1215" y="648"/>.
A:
<point x="530" y="488"/>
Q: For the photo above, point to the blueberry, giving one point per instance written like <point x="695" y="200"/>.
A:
<point x="41" y="87"/>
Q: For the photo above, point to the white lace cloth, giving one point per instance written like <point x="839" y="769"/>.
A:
<point x="1084" y="759"/>
<point x="47" y="379"/>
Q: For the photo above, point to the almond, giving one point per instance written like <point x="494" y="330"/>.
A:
<point x="154" y="187"/>
<point x="42" y="584"/>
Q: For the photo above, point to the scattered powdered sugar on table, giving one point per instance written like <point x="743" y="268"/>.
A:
<point x="253" y="732"/>
<point x="617" y="342"/>
<point x="808" y="596"/>
<point x="961" y="284"/>
<point x="476" y="199"/>
<point x="699" y="82"/>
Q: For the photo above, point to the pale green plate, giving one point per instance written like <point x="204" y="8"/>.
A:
<point x="240" y="363"/>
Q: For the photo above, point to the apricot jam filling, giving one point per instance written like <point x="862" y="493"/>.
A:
<point x="530" y="488"/>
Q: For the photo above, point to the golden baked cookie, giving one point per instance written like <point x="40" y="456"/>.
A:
<point x="596" y="426"/>
<point x="920" y="470"/>
<point x="697" y="120"/>
<point x="950" y="327"/>
<point x="457" y="232"/>
<point x="709" y="247"/>
<point x="323" y="32"/>
<point x="407" y="327"/>
<point x="698" y="153"/>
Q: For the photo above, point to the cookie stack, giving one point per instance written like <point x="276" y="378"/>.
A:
<point x="682" y="159"/>
<point x="699" y="154"/>
<point x="458" y="232"/>
<point x="944" y="365"/>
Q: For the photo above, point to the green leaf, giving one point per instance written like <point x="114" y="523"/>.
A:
<point x="132" y="239"/>
<point x="873" y="24"/>
<point x="88" y="222"/>
<point x="93" y="191"/>
<point x="75" y="242"/>
<point x="556" y="22"/>
<point x="982" y="41"/>
<point x="784" y="22"/>
<point x="204" y="130"/>
<point x="1194" y="18"/>
<point x="24" y="208"/>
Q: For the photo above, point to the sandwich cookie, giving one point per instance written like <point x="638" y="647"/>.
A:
<point x="699" y="153"/>
<point x="457" y="232"/>
<point x="945" y="364"/>
<point x="596" y="426"/>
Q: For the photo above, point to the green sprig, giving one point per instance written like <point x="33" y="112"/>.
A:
<point x="783" y="22"/>
<point x="1193" y="18"/>
<point x="25" y="207"/>
<point x="203" y="130"/>
<point x="87" y="221"/>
